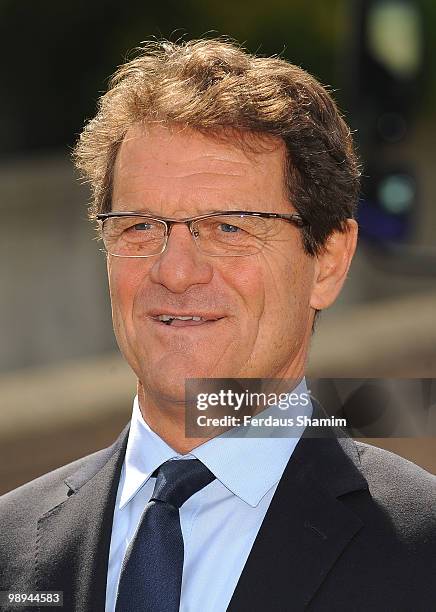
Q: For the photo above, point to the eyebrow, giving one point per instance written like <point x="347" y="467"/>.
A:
<point x="134" y="209"/>
<point x="148" y="211"/>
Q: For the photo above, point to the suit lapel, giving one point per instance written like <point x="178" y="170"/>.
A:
<point x="305" y="529"/>
<point x="74" y="536"/>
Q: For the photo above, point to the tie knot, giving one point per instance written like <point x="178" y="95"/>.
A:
<point x="177" y="480"/>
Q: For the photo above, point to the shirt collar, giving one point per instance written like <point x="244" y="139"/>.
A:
<point x="247" y="466"/>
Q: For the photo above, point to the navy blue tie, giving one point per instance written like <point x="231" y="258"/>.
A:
<point x="151" y="574"/>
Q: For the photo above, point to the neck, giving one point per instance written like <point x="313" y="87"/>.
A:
<point x="167" y="418"/>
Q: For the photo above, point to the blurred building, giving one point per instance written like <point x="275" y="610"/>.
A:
<point x="63" y="389"/>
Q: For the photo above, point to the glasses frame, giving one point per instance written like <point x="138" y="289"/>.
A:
<point x="294" y="218"/>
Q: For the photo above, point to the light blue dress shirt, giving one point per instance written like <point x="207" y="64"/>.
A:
<point x="220" y="522"/>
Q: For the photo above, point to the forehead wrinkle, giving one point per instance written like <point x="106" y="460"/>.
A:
<point x="152" y="159"/>
<point x="227" y="150"/>
<point x="174" y="174"/>
<point x="198" y="202"/>
<point x="182" y="169"/>
<point x="208" y="181"/>
<point x="191" y="174"/>
<point x="203" y="157"/>
<point x="228" y="190"/>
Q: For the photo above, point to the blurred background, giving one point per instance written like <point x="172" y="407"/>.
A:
<point x="64" y="390"/>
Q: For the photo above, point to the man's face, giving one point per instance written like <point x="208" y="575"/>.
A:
<point x="258" y="306"/>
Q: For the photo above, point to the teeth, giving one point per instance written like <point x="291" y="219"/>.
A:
<point x="166" y="318"/>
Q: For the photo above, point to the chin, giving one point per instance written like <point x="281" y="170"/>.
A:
<point x="167" y="383"/>
<point x="168" y="392"/>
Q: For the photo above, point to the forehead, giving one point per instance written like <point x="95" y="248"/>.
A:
<point x="167" y="164"/>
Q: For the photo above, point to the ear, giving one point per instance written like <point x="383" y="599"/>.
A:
<point x="332" y="266"/>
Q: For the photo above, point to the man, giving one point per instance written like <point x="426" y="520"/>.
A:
<point x="189" y="142"/>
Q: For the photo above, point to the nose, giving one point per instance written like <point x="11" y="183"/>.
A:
<point x="181" y="265"/>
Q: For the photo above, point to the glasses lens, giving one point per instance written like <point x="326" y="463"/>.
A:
<point x="133" y="236"/>
<point x="232" y="235"/>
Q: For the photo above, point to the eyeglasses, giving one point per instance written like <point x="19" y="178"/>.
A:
<point x="222" y="234"/>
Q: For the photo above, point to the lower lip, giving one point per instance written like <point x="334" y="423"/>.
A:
<point x="178" y="324"/>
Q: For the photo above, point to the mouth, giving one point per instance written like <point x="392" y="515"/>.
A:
<point x="186" y="320"/>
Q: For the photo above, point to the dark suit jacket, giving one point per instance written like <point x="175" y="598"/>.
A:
<point x="350" y="528"/>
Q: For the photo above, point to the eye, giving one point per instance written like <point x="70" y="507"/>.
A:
<point x="141" y="226"/>
<point x="228" y="228"/>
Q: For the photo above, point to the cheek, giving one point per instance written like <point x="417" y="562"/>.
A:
<point x="288" y="286"/>
<point x="123" y="286"/>
<point x="245" y="279"/>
